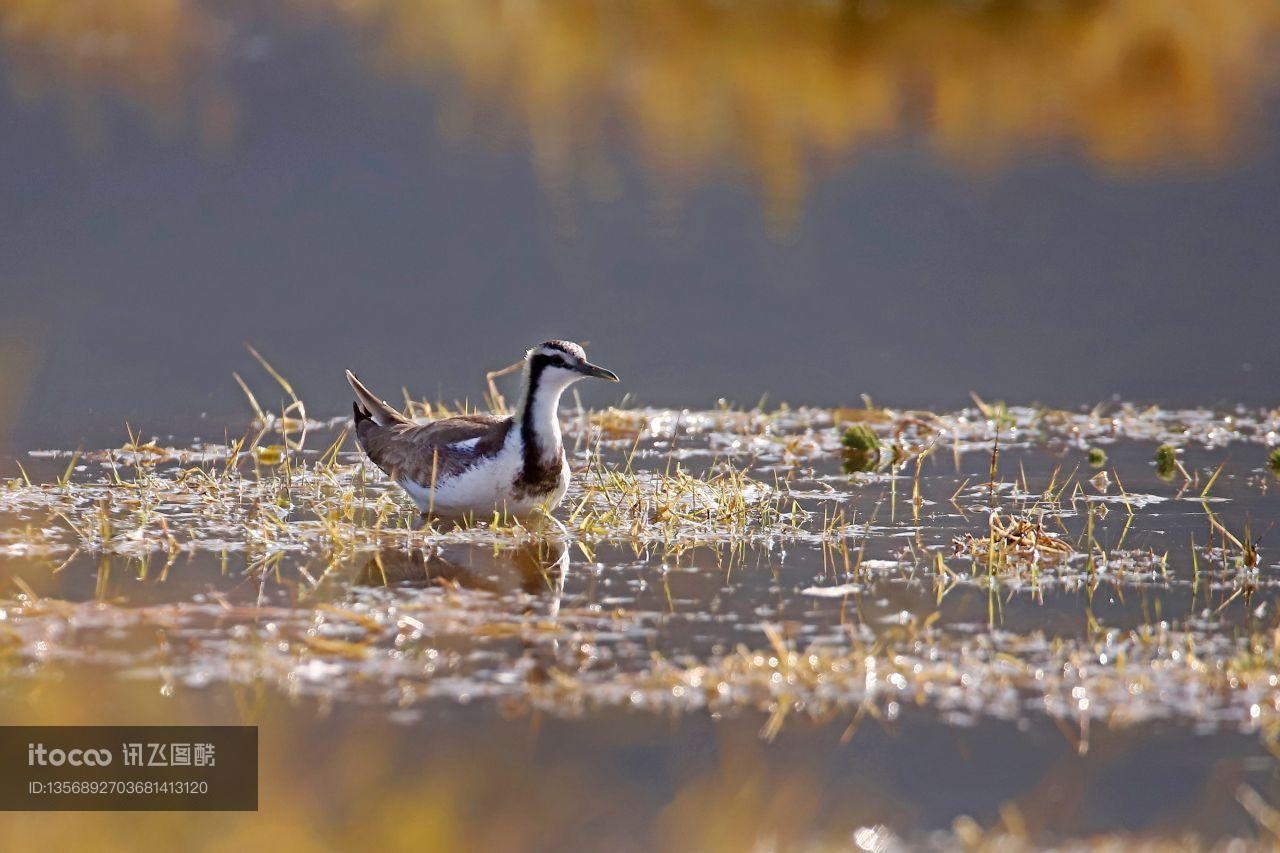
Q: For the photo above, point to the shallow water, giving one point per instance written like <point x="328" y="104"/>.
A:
<point x="787" y="606"/>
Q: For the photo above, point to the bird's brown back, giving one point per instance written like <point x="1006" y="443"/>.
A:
<point x="421" y="451"/>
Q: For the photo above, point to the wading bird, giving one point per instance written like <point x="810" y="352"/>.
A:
<point x="474" y="465"/>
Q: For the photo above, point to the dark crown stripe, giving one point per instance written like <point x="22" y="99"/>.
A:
<point x="566" y="347"/>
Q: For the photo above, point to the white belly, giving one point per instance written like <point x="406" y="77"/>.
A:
<point x="484" y="489"/>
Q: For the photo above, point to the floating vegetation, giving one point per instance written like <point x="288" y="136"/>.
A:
<point x="1012" y="542"/>
<point x="1273" y="461"/>
<point x="702" y="560"/>
<point x="861" y="449"/>
<point x="1166" y="461"/>
<point x="1097" y="457"/>
<point x="368" y="648"/>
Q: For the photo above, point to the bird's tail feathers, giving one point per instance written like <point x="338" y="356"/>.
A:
<point x="370" y="407"/>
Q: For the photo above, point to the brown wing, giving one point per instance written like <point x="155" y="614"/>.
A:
<point x="417" y="451"/>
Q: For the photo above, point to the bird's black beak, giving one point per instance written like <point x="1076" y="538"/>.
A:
<point x="589" y="369"/>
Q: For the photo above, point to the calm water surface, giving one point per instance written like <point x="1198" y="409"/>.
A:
<point x="917" y="200"/>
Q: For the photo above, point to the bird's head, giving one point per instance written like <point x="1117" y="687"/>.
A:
<point x="561" y="363"/>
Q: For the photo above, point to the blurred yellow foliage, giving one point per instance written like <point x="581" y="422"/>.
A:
<point x="776" y="89"/>
<point x="148" y="52"/>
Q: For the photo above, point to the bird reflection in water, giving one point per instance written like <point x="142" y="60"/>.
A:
<point x="536" y="568"/>
<point x="530" y="575"/>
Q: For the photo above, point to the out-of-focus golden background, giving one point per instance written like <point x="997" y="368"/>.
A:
<point x="698" y="87"/>
<point x="1012" y="182"/>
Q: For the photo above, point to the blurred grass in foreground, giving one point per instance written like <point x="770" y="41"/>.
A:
<point x="468" y="779"/>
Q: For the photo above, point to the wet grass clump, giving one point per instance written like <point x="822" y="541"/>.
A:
<point x="861" y="449"/>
